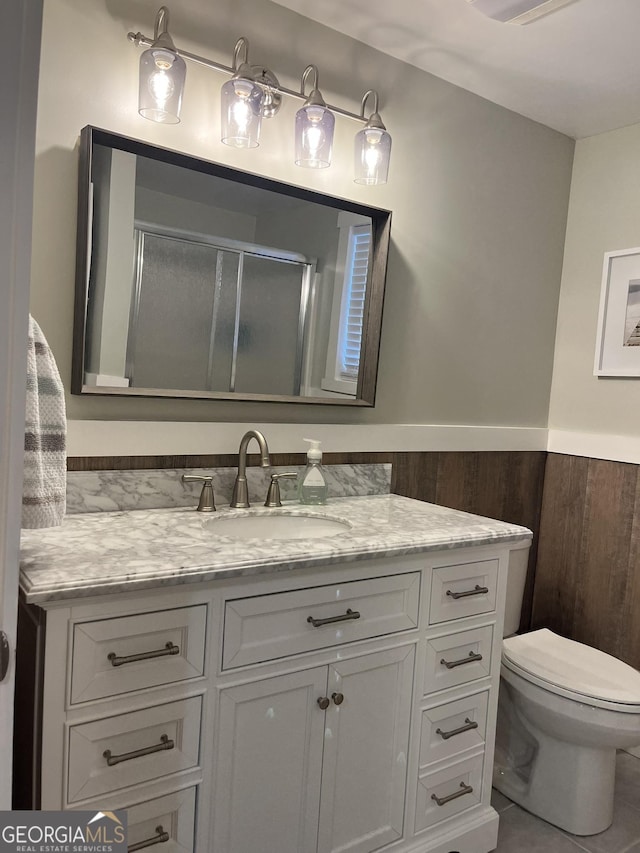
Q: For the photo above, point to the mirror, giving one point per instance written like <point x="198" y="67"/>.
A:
<point x="197" y="280"/>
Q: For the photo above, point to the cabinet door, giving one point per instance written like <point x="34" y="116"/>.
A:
<point x="365" y="752"/>
<point x="269" y="764"/>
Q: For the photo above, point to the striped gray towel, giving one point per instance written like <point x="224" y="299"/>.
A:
<point x="45" y="460"/>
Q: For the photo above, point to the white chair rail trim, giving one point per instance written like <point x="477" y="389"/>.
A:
<point x="169" y="438"/>
<point x="145" y="438"/>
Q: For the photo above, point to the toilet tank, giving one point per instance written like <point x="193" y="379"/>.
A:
<point x="516" y="578"/>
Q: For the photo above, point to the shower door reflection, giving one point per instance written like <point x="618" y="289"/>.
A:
<point x="217" y="316"/>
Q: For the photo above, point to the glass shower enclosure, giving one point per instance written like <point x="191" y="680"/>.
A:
<point x="210" y="314"/>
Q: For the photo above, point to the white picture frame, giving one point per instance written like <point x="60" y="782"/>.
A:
<point x="618" y="334"/>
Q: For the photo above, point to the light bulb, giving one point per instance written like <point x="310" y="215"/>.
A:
<point x="161" y="87"/>
<point x="372" y="151"/>
<point x="241" y="108"/>
<point x="162" y="76"/>
<point x="241" y="101"/>
<point x="314" y="136"/>
<point x="313" y="139"/>
<point x="241" y="114"/>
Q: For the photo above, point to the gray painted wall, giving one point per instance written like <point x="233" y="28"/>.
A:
<point x="603" y="217"/>
<point x="479" y="199"/>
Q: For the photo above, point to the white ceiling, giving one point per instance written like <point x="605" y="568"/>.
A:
<point x="576" y="70"/>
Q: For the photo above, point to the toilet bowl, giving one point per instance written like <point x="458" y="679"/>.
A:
<point x="563" y="710"/>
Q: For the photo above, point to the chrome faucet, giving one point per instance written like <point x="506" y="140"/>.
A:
<point x="240" y="497"/>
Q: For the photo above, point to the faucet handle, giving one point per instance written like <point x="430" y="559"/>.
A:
<point x="273" y="494"/>
<point x="207" y="500"/>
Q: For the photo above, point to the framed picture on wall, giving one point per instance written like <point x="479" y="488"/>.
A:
<point x="618" y="341"/>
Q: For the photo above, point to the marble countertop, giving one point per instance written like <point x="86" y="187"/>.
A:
<point x="97" y="553"/>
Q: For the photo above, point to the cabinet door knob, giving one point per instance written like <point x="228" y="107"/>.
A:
<point x="324" y="703"/>
<point x="338" y="698"/>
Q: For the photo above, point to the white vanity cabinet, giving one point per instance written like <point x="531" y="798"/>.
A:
<point x="296" y="751"/>
<point x="316" y="760"/>
<point x="123" y="706"/>
<point x="356" y="710"/>
<point x="343" y="709"/>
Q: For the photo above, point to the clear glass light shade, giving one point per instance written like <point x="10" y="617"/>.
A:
<point x="162" y="76"/>
<point x="241" y="113"/>
<point x="372" y="154"/>
<point x="314" y="137"/>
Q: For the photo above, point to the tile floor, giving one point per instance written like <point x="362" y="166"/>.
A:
<point x="521" y="832"/>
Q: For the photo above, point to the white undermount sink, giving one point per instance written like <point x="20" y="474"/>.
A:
<point x="275" y="525"/>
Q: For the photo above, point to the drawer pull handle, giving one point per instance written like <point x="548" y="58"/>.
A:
<point x="442" y="801"/>
<point x="338" y="698"/>
<point x="112" y="759"/>
<point x="160" y="838"/>
<point x="452" y="664"/>
<point x="469" y="724"/>
<point x="345" y="617"/>
<point x="477" y="590"/>
<point x="169" y="649"/>
<point x="324" y="702"/>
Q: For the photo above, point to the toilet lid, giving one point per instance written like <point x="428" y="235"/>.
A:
<point x="573" y="667"/>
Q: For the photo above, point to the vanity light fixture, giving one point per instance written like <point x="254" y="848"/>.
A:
<point x="162" y="76"/>
<point x="241" y="100"/>
<point x="254" y="93"/>
<point x="314" y="127"/>
<point x="373" y="147"/>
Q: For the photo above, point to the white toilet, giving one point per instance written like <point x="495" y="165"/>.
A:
<point x="564" y="708"/>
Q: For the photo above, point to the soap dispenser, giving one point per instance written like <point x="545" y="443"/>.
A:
<point x="313" y="487"/>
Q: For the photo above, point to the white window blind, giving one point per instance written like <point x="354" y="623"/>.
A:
<point x="352" y="313"/>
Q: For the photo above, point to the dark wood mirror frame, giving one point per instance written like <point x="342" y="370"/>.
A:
<point x="370" y="346"/>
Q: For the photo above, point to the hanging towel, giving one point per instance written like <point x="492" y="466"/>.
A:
<point x="45" y="438"/>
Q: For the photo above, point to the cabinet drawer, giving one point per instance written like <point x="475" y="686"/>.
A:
<point x="165" y="821"/>
<point x="454" y="659"/>
<point x="448" y="792"/>
<point x="128" y="749"/>
<point x="265" y="627"/>
<point x="451" y="729"/>
<point x="112" y="656"/>
<point x="465" y="589"/>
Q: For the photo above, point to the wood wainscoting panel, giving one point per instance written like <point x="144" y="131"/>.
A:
<point x="588" y="573"/>
<point x="506" y="485"/>
<point x="631" y="612"/>
<point x="563" y="503"/>
<point x="213" y="460"/>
